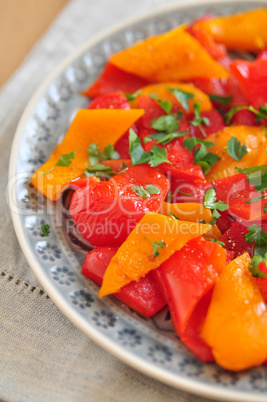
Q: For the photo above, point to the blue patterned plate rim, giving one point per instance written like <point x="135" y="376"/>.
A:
<point x="135" y="361"/>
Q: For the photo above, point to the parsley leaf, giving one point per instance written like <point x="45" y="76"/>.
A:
<point x="139" y="155"/>
<point x="182" y="192"/>
<point x="109" y="153"/>
<point x="221" y="243"/>
<point x="235" y="150"/>
<point x="156" y="245"/>
<point x="256" y="233"/>
<point x="93" y="154"/>
<point x="145" y="191"/>
<point x="222" y="100"/>
<point x="210" y="201"/>
<point x="64" y="160"/>
<point x="159" y="155"/>
<point x="174" y="216"/>
<point x="182" y="97"/>
<point x="164" y="139"/>
<point x="45" y="229"/>
<point x="254" y="266"/>
<point x="100" y="170"/>
<point x="137" y="152"/>
<point x="256" y="176"/>
<point x="260" y="197"/>
<point x="265" y="208"/>
<point x="202" y="157"/>
<point x="133" y="96"/>
<point x="165" y="105"/>
<point x="261" y="114"/>
<point x="199" y="121"/>
<point x="167" y="123"/>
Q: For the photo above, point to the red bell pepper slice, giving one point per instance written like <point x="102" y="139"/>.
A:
<point x="185" y="279"/>
<point x="235" y="241"/>
<point x="112" y="100"/>
<point x="107" y="212"/>
<point x="252" y="77"/>
<point x="115" y="100"/>
<point x="143" y="296"/>
<point x="113" y="79"/>
<point x="216" y="123"/>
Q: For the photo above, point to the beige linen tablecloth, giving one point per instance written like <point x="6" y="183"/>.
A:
<point x="43" y="356"/>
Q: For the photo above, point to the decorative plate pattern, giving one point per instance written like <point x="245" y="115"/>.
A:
<point x="150" y="346"/>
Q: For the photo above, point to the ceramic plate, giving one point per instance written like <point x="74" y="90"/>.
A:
<point x="149" y="346"/>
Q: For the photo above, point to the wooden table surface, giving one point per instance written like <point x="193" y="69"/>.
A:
<point x="22" y="22"/>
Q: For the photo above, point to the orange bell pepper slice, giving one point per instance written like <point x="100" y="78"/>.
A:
<point x="172" y="56"/>
<point x="136" y="257"/>
<point x="253" y="137"/>
<point x="162" y="93"/>
<point x="244" y="31"/>
<point x="236" y="323"/>
<point x="192" y="212"/>
<point x="101" y="126"/>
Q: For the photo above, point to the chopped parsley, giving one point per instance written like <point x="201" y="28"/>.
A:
<point x="154" y="158"/>
<point x="64" y="160"/>
<point x="265" y="208"/>
<point x="165" y="105"/>
<point x="188" y="194"/>
<point x="202" y="157"/>
<point x="100" y="170"/>
<point x="156" y="245"/>
<point x="260" y="114"/>
<point x="145" y="191"/>
<point x="256" y="176"/>
<point x="199" y="121"/>
<point x="254" y="266"/>
<point x="173" y="216"/>
<point x="45" y="230"/>
<point x="222" y="100"/>
<point x="182" y="97"/>
<point x="94" y="155"/>
<point x="133" y="96"/>
<point x="235" y="149"/>
<point x="167" y="123"/>
<point x="210" y="201"/>
<point x="260" y="197"/>
<point x="221" y="243"/>
<point x="163" y="138"/>
<point x="255" y="233"/>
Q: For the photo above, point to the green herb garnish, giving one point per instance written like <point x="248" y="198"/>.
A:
<point x="45" y="229"/>
<point x="65" y="160"/>
<point x="235" y="149"/>
<point x="210" y="201"/>
<point x="145" y="191"/>
<point x="260" y="197"/>
<point x="199" y="121"/>
<point x="173" y="216"/>
<point x="156" y="245"/>
<point x="182" y="97"/>
<point x="254" y="266"/>
<point x="256" y="176"/>
<point x="201" y="156"/>
<point x="260" y="114"/>
<point x="154" y="158"/>
<point x="165" y="105"/>
<point x="221" y="243"/>
<point x="222" y="100"/>
<point x="133" y="96"/>
<point x="164" y="139"/>
<point x="167" y="123"/>
<point x="255" y="233"/>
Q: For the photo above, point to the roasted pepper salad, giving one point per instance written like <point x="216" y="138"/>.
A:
<point x="168" y="164"/>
